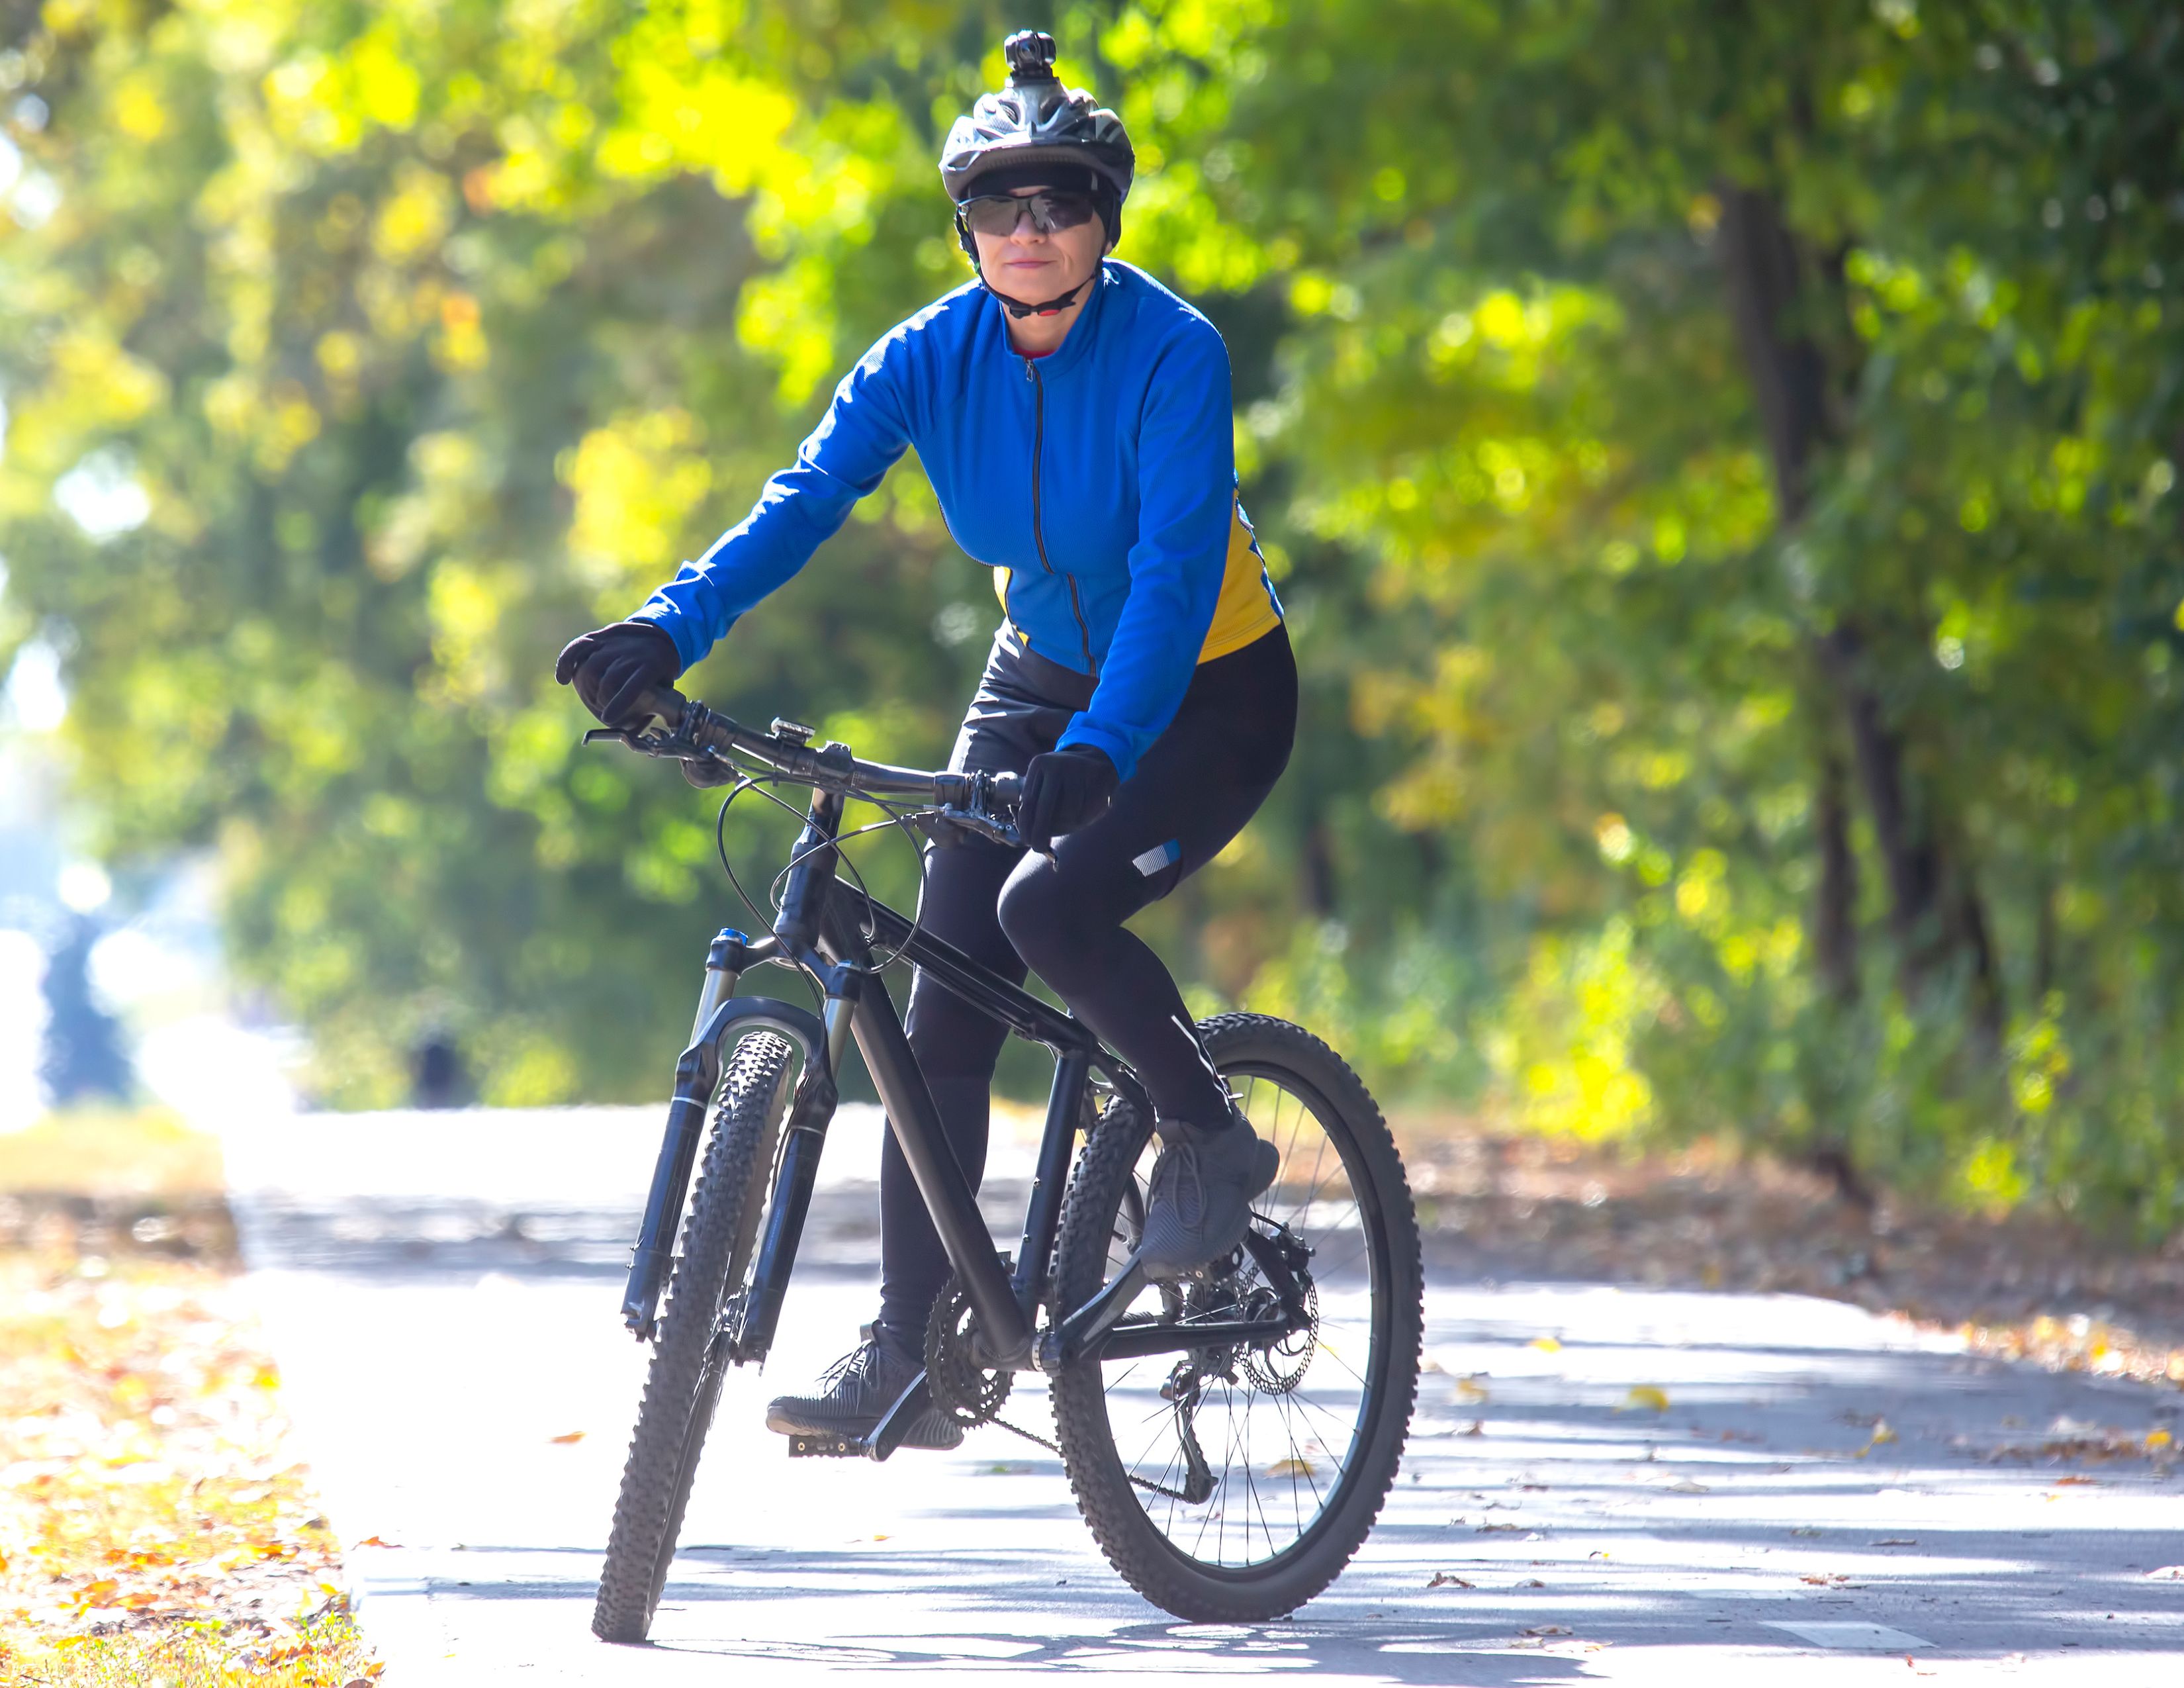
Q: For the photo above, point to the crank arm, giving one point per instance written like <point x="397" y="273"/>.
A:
<point x="887" y="1434"/>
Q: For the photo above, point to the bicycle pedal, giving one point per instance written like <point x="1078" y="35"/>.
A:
<point x="802" y="1447"/>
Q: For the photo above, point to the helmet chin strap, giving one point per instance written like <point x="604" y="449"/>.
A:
<point x="1019" y="309"/>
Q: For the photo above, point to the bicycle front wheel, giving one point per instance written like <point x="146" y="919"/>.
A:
<point x="684" y="1385"/>
<point x="1233" y="1485"/>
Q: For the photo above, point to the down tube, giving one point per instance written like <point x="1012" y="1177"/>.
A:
<point x="915" y="1123"/>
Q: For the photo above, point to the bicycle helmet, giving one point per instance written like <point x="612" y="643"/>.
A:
<point x="1034" y="132"/>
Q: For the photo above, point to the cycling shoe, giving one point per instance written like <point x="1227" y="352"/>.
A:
<point x="855" y="1393"/>
<point x="1202" y="1187"/>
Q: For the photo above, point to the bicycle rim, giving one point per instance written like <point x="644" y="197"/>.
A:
<point x="1280" y="1431"/>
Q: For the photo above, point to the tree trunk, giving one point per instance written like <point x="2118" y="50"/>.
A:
<point x="1835" y="903"/>
<point x="2044" y="941"/>
<point x="1320" y="890"/>
<point x="1935" y="914"/>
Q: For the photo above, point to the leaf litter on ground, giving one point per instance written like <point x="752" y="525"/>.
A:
<point x="154" y="1525"/>
<point x="1713" y="1216"/>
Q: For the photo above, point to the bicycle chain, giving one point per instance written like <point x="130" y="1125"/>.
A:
<point x="1055" y="1448"/>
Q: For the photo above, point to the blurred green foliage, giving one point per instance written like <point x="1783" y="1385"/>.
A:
<point x="1719" y="458"/>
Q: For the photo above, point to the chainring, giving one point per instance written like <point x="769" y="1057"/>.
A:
<point x="967" y="1392"/>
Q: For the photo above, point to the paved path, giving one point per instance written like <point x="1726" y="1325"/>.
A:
<point x="441" y="1290"/>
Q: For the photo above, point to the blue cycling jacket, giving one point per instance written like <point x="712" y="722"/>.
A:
<point x="1100" y="481"/>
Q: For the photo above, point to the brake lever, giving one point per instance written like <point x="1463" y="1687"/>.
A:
<point x="622" y="735"/>
<point x="678" y="746"/>
<point x="938" y="823"/>
<point x="985" y="826"/>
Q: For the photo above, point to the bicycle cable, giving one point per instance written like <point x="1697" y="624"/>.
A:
<point x="898" y="819"/>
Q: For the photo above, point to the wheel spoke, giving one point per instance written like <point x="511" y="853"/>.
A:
<point x="1318" y="1184"/>
<point x="1282" y="1421"/>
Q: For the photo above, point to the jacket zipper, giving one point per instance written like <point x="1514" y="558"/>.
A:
<point x="1038" y="537"/>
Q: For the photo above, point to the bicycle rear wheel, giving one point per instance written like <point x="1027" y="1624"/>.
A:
<point x="684" y="1385"/>
<point x="1233" y="1485"/>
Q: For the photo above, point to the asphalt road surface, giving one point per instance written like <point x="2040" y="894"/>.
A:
<point x="1826" y="1496"/>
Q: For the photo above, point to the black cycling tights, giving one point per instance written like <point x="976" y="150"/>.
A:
<point x="1190" y="793"/>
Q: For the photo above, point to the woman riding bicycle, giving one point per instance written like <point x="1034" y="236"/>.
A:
<point x="1073" y="416"/>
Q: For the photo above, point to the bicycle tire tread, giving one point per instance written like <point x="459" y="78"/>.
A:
<point x="1127" y="1537"/>
<point x="655" y="1484"/>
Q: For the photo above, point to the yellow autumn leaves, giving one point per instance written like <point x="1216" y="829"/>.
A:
<point x="153" y="1526"/>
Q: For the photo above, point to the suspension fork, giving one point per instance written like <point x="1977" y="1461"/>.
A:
<point x="697" y="1077"/>
<point x="749" y="1326"/>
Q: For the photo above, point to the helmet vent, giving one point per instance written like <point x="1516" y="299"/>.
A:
<point x="1035" y="121"/>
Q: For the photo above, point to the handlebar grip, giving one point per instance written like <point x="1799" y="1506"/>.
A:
<point x="1008" y="791"/>
<point x="664" y="701"/>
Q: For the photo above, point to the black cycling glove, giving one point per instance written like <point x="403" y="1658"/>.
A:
<point x="612" y="667"/>
<point x="1064" y="790"/>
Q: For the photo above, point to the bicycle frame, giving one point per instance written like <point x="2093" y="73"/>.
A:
<point x="827" y="930"/>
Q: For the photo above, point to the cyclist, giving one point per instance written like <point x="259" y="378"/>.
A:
<point x="1074" y="418"/>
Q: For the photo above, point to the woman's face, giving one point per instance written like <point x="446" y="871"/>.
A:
<point x="1029" y="265"/>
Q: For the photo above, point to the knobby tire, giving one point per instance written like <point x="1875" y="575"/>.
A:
<point x="1192" y="1588"/>
<point x="684" y="1384"/>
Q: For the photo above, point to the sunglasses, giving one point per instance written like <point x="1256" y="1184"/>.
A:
<point x="999" y="213"/>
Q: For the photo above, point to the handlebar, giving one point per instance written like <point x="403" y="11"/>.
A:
<point x="693" y="731"/>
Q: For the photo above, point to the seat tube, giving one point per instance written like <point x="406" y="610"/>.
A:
<point x="1043" y="1216"/>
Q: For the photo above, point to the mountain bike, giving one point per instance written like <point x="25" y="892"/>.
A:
<point x="1229" y="1437"/>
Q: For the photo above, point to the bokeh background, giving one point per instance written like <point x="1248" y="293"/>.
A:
<point x="1720" y="460"/>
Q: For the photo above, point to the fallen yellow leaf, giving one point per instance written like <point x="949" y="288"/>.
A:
<point x="1547" y="1344"/>
<point x="1645" y="1398"/>
<point x="1292" y="1467"/>
<point x="1470" y="1388"/>
<point x="1881" y="1432"/>
<point x="2158" y="1438"/>
<point x="573" y="1436"/>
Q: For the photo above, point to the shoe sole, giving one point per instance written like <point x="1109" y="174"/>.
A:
<point x="810" y="1424"/>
